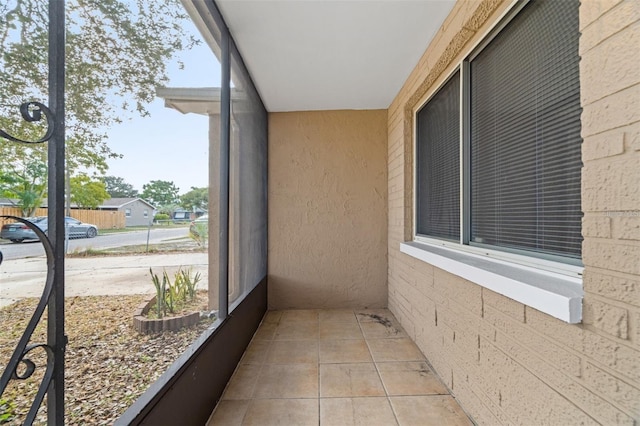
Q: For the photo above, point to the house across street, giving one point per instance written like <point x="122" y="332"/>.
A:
<point x="137" y="212"/>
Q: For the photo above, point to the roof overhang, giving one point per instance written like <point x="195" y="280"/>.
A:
<point x="324" y="55"/>
<point x="198" y="100"/>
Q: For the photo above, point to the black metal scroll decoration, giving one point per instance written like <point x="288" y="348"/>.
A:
<point x="23" y="348"/>
<point x="32" y="111"/>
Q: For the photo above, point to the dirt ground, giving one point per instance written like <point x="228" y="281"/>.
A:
<point x="96" y="276"/>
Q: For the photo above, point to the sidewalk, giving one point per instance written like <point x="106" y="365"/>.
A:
<point x="96" y="276"/>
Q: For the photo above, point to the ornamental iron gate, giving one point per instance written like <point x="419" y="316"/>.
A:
<point x="20" y="367"/>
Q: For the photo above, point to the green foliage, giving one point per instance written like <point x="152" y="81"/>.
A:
<point x="196" y="198"/>
<point x="7" y="411"/>
<point x="117" y="54"/>
<point x="168" y="209"/>
<point x="161" y="291"/>
<point x="118" y="188"/>
<point x="26" y="181"/>
<point x="187" y="283"/>
<point x="160" y="192"/>
<point x="170" y="297"/>
<point x="87" y="193"/>
<point x="199" y="232"/>
<point x="161" y="216"/>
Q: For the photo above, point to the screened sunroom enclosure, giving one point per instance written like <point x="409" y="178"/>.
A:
<point x="237" y="227"/>
<point x="237" y="232"/>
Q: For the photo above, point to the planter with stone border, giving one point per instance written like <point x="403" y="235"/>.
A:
<point x="146" y="325"/>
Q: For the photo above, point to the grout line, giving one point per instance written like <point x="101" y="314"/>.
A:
<point x="262" y="366"/>
<point x="375" y="363"/>
<point x="318" y="369"/>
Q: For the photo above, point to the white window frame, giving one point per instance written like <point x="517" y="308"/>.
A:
<point x="548" y="285"/>
<point x="127" y="212"/>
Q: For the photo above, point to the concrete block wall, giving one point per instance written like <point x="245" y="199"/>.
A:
<point x="505" y="362"/>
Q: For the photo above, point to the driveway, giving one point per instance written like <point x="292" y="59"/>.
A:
<point x="96" y="276"/>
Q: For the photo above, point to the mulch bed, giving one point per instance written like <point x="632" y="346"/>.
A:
<point x="108" y="364"/>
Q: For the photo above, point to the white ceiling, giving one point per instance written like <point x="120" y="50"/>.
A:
<point x="324" y="55"/>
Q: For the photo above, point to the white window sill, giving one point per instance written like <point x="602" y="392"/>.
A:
<point x="555" y="294"/>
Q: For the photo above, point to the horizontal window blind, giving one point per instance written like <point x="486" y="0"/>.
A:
<point x="438" y="164"/>
<point x="525" y="133"/>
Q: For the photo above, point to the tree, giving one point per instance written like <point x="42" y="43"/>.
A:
<point x="25" y="181"/>
<point x="196" y="198"/>
<point x="160" y="192"/>
<point x="118" y="188"/>
<point x="117" y="52"/>
<point x="87" y="193"/>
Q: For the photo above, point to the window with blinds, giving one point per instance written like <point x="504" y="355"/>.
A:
<point x="438" y="163"/>
<point x="525" y="133"/>
<point x="522" y="141"/>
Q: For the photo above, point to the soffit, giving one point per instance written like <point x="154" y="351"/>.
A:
<point x="326" y="55"/>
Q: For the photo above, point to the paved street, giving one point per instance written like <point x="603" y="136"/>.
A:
<point x="157" y="235"/>
<point x="20" y="278"/>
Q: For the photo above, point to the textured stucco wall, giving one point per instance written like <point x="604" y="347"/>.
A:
<point x="507" y="363"/>
<point x="327" y="209"/>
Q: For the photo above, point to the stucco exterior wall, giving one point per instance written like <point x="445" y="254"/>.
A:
<point x="327" y="209"/>
<point x="505" y="362"/>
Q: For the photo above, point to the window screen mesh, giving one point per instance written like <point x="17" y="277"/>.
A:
<point x="525" y="133"/>
<point x="248" y="184"/>
<point x="438" y="164"/>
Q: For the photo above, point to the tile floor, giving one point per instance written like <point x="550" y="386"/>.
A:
<point x="334" y="367"/>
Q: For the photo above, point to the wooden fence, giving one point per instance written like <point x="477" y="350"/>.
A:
<point x="101" y="218"/>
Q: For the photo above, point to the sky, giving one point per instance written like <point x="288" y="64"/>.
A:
<point x="169" y="145"/>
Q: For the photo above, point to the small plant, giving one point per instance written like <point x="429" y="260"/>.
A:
<point x="6" y="411"/>
<point x="161" y="291"/>
<point x="170" y="297"/>
<point x="198" y="232"/>
<point x="188" y="283"/>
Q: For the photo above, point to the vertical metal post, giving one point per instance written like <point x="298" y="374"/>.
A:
<point x="56" y="338"/>
<point x="225" y="141"/>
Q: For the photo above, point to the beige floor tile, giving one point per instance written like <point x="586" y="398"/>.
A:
<point x="337" y="315"/>
<point x="243" y="382"/>
<point x="272" y="317"/>
<point x="436" y="410"/>
<point x="256" y="352"/>
<point x="340" y="330"/>
<point x="372" y="411"/>
<point x="298" y="356"/>
<point x="349" y="380"/>
<point x="282" y="412"/>
<point x="293" y="352"/>
<point x="266" y="331"/>
<point x="374" y="315"/>
<point x="228" y="413"/>
<point x="382" y="330"/>
<point x="343" y="351"/>
<point x="394" y="350"/>
<point x="296" y="315"/>
<point x="410" y="378"/>
<point x="287" y="381"/>
<point x="300" y="330"/>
